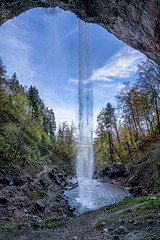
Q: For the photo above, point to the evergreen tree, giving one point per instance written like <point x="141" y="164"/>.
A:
<point x="52" y="124"/>
<point x="33" y="96"/>
<point x="14" y="83"/>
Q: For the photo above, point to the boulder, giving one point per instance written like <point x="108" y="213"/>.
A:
<point x="42" y="182"/>
<point x="146" y="177"/>
<point x="119" y="170"/>
<point x="3" y="200"/>
<point x="7" y="180"/>
<point x="107" y="171"/>
<point x="18" y="181"/>
<point x="39" y="206"/>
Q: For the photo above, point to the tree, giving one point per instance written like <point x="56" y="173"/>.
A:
<point x="66" y="144"/>
<point x="104" y="129"/>
<point x="34" y="98"/>
<point x="52" y="124"/>
<point x="14" y="83"/>
<point x="149" y="82"/>
<point x="2" y="70"/>
<point x="4" y="99"/>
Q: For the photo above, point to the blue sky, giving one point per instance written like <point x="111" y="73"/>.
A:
<point x="43" y="51"/>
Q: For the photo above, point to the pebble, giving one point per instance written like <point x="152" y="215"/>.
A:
<point x="115" y="238"/>
<point x="121" y="221"/>
<point x="136" y="223"/>
<point x="25" y="210"/>
<point x="75" y="238"/>
<point x="131" y="221"/>
<point x="3" y="200"/>
<point x="150" y="221"/>
<point x="120" y="230"/>
<point x="123" y="229"/>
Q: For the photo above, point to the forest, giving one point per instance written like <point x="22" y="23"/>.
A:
<point x="124" y="131"/>
<point x="28" y="128"/>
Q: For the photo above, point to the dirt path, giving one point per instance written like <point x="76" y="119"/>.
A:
<point x="124" y="224"/>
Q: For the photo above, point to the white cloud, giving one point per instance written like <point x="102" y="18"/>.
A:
<point x="106" y="85"/>
<point x="121" y="65"/>
<point x="11" y="38"/>
<point x="73" y="80"/>
<point x="16" y="51"/>
<point x="63" y="114"/>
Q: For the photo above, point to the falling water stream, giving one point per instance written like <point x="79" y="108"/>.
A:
<point x="90" y="194"/>
<point x="85" y="162"/>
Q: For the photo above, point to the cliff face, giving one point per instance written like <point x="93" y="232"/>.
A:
<point x="136" y="22"/>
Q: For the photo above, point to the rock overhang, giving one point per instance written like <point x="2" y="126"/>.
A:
<point x="135" y="22"/>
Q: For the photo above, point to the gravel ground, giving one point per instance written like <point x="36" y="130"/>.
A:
<point x="125" y="224"/>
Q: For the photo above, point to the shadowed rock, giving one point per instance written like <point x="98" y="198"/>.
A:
<point x="136" y="22"/>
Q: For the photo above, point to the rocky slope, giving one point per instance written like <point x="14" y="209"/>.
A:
<point x="139" y="220"/>
<point x="140" y="180"/>
<point x="34" y="207"/>
<point x="27" y="198"/>
<point x="136" y="22"/>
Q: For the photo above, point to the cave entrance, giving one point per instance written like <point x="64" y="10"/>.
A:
<point x="43" y="51"/>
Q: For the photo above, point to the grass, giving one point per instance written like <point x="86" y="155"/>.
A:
<point x="98" y="225"/>
<point x="151" y="203"/>
<point x="48" y="223"/>
<point x="149" y="236"/>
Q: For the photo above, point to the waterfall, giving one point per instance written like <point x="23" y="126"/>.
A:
<point x="85" y="161"/>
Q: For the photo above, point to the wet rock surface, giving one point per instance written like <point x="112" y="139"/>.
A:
<point x="136" y="22"/>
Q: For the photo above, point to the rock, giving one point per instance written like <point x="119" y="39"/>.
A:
<point x="42" y="182"/>
<point x="100" y="174"/>
<point x="131" y="221"/>
<point x="150" y="221"/>
<point x="137" y="23"/>
<point x="7" y="180"/>
<point x="123" y="229"/>
<point x="121" y="221"/>
<point x="55" y="169"/>
<point x="137" y="190"/>
<point x="138" y="162"/>
<point x="60" y="175"/>
<point x="39" y="206"/>
<point x="126" y="174"/>
<point x="133" y="181"/>
<point x="118" y="169"/>
<point x="137" y="223"/>
<point x="146" y="176"/>
<point x="25" y="210"/>
<point x="75" y="238"/>
<point x="18" y="181"/>
<point x="107" y="171"/>
<point x="115" y="238"/>
<point x="3" y="200"/>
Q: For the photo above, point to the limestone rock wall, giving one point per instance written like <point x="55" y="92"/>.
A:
<point x="136" y="22"/>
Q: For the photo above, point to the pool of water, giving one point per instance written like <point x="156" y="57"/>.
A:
<point x="95" y="195"/>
